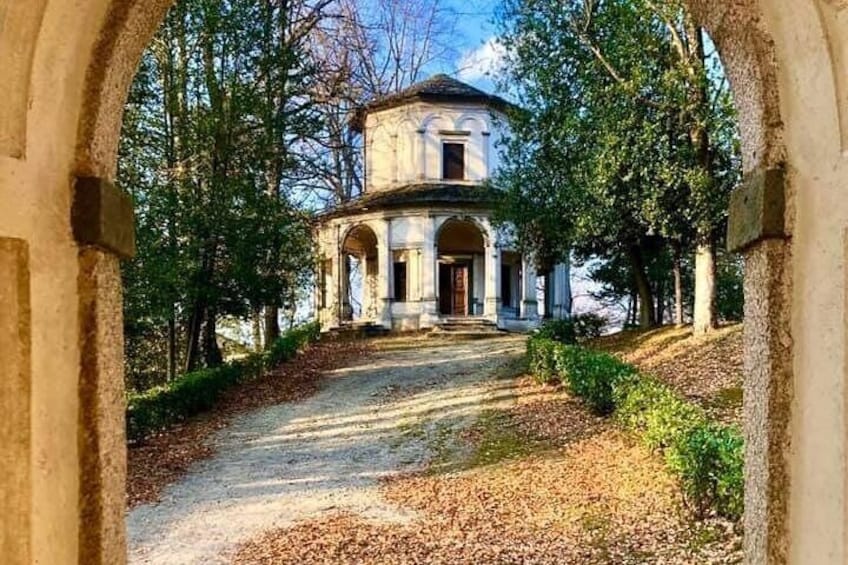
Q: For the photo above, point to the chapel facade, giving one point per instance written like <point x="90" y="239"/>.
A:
<point x="418" y="247"/>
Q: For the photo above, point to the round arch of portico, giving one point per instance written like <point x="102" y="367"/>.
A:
<point x="442" y="221"/>
<point x="348" y="229"/>
<point x="73" y="63"/>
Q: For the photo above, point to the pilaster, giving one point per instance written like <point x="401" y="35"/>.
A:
<point x="384" y="274"/>
<point x="529" y="305"/>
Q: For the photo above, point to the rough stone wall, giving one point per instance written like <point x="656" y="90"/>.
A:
<point x="126" y="32"/>
<point x="15" y="389"/>
<point x="748" y="53"/>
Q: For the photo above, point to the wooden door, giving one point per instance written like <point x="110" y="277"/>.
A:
<point x="460" y="290"/>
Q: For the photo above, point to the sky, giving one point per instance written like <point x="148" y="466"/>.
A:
<point x="476" y="48"/>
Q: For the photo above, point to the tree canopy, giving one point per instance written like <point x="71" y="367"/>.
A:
<point x="627" y="135"/>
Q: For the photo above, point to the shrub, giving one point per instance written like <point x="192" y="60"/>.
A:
<point x="288" y="345"/>
<point x="653" y="410"/>
<point x="593" y="376"/>
<point x="558" y="330"/>
<point x="707" y="457"/>
<point x="589" y="325"/>
<point x="541" y="354"/>
<point x="190" y="394"/>
<point x="710" y="462"/>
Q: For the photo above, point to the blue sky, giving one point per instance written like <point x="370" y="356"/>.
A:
<point x="475" y="31"/>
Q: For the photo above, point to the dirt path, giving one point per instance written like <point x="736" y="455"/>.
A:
<point x="301" y="461"/>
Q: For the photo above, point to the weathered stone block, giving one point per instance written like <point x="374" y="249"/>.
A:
<point x="15" y="387"/>
<point x="757" y="209"/>
<point x="103" y="216"/>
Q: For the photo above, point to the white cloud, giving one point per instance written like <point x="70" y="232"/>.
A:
<point x="480" y="63"/>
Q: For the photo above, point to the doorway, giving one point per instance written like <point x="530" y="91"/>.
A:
<point x="454" y="295"/>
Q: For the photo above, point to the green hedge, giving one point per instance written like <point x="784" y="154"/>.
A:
<point x="190" y="394"/>
<point x="575" y="329"/>
<point x="707" y="457"/>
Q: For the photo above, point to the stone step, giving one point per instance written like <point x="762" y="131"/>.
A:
<point x="463" y="335"/>
<point x="451" y="328"/>
<point x="465" y="322"/>
<point x="360" y="329"/>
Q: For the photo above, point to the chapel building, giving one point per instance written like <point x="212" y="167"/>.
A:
<point x="418" y="248"/>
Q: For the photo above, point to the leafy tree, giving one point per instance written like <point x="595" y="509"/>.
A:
<point x="210" y="152"/>
<point x="625" y="143"/>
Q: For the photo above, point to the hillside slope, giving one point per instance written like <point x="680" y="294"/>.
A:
<point x="707" y="370"/>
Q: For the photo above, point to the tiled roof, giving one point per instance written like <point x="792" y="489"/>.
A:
<point x="439" y="88"/>
<point x="417" y="196"/>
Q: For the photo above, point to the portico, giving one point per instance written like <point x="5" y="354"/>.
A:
<point x="419" y="245"/>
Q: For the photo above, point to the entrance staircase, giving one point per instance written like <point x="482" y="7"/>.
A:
<point x="359" y="330"/>
<point x="464" y="328"/>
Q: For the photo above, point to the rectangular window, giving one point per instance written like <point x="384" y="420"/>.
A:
<point x="453" y="161"/>
<point x="399" y="271"/>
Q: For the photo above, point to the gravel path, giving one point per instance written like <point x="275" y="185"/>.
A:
<point x="299" y="461"/>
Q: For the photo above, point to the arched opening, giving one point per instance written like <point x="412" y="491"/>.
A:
<point x="360" y="268"/>
<point x="779" y="62"/>
<point x="461" y="269"/>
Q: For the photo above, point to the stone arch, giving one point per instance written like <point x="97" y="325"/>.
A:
<point x="462" y="246"/>
<point x="359" y="227"/>
<point x="82" y="58"/>
<point x="463" y="218"/>
<point x="747" y="52"/>
<point x="431" y="120"/>
<point x="379" y="150"/>
<point x="466" y="119"/>
<point x="431" y="144"/>
<point x="128" y="27"/>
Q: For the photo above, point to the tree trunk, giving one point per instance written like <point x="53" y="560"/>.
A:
<point x="647" y="314"/>
<point x="705" y="284"/>
<point x="256" y="326"/>
<point x="660" y="308"/>
<point x="172" y="348"/>
<point x="272" y="325"/>
<point x="193" y="337"/>
<point x="211" y="351"/>
<point x="705" y="288"/>
<point x="677" y="269"/>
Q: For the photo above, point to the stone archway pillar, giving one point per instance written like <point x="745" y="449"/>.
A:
<point x="757" y="227"/>
<point x="103" y="225"/>
<point x="15" y="399"/>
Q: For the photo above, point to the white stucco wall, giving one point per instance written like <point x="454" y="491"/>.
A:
<point x="404" y="145"/>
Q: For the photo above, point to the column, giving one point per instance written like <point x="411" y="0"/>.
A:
<point x="429" y="251"/>
<point x="529" y="305"/>
<point x="561" y="288"/>
<point x="384" y="275"/>
<point x="342" y="281"/>
<point x="493" y="276"/>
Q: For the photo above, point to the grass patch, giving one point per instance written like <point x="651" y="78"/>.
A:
<point x="726" y="398"/>
<point x="499" y="440"/>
